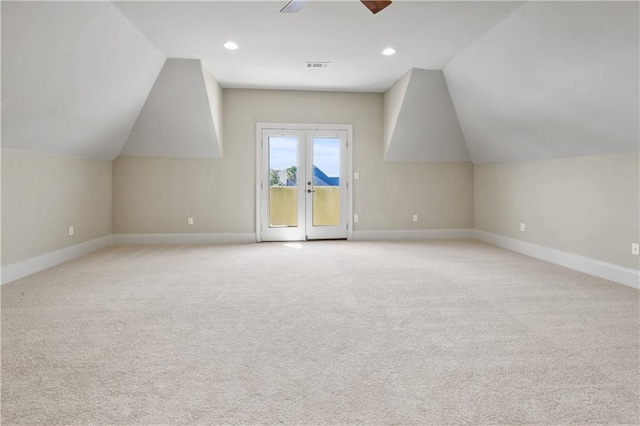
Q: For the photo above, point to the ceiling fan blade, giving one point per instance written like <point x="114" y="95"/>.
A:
<point x="293" y="6"/>
<point x="375" y="6"/>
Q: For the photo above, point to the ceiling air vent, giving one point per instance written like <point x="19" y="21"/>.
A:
<point x="317" y="64"/>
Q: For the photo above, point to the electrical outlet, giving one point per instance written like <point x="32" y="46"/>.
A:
<point x="190" y="220"/>
<point x="635" y="249"/>
<point x="71" y="230"/>
<point x="355" y="217"/>
<point x="356" y="175"/>
<point x="522" y="227"/>
<point x="415" y="217"/>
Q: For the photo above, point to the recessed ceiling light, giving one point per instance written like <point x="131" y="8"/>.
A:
<point x="389" y="51"/>
<point x="231" y="45"/>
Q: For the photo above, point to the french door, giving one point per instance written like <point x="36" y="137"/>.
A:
<point x="302" y="184"/>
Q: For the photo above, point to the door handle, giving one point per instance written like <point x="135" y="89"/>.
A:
<point x="310" y="191"/>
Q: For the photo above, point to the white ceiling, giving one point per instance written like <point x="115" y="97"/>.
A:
<point x="74" y="77"/>
<point x="555" y="79"/>
<point x="274" y="46"/>
<point x="527" y="81"/>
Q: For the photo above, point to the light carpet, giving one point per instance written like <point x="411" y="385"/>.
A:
<point x="453" y="332"/>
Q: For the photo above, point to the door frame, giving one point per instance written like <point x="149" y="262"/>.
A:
<point x="260" y="126"/>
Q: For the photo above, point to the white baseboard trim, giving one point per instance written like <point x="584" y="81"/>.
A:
<point x="418" y="234"/>
<point x="231" y="238"/>
<point x="627" y="276"/>
<point x="17" y="270"/>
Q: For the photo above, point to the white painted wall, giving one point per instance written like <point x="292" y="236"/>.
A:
<point x="216" y="105"/>
<point x="393" y="99"/>
<point x="426" y="127"/>
<point x="177" y="119"/>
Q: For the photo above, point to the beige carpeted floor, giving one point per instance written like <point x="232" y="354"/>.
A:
<point x="318" y="333"/>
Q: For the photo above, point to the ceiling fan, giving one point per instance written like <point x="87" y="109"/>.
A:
<point x="374" y="6"/>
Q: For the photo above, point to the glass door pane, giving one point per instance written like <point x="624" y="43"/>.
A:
<point x="302" y="184"/>
<point x="283" y="181"/>
<point x="326" y="181"/>
<point x="326" y="185"/>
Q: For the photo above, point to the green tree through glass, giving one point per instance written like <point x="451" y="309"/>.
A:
<point x="292" y="176"/>
<point x="274" y="178"/>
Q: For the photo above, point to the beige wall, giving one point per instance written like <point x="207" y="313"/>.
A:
<point x="42" y="195"/>
<point x="584" y="205"/>
<point x="441" y="194"/>
<point x="156" y="195"/>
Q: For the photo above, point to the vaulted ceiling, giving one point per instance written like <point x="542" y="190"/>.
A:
<point x="526" y="80"/>
<point x="556" y="79"/>
<point x="74" y="77"/>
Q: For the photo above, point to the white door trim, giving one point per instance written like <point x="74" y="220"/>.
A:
<point x="260" y="126"/>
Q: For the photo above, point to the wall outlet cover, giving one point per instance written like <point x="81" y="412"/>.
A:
<point x="522" y="227"/>
<point x="635" y="249"/>
<point x="71" y="230"/>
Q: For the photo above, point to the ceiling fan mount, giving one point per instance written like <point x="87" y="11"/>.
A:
<point x="374" y="6"/>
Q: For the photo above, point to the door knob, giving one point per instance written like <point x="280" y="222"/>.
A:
<point x="310" y="191"/>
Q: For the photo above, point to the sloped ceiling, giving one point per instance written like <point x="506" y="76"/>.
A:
<point x="426" y="127"/>
<point x="528" y="81"/>
<point x="74" y="77"/>
<point x="177" y="119"/>
<point x="554" y="79"/>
